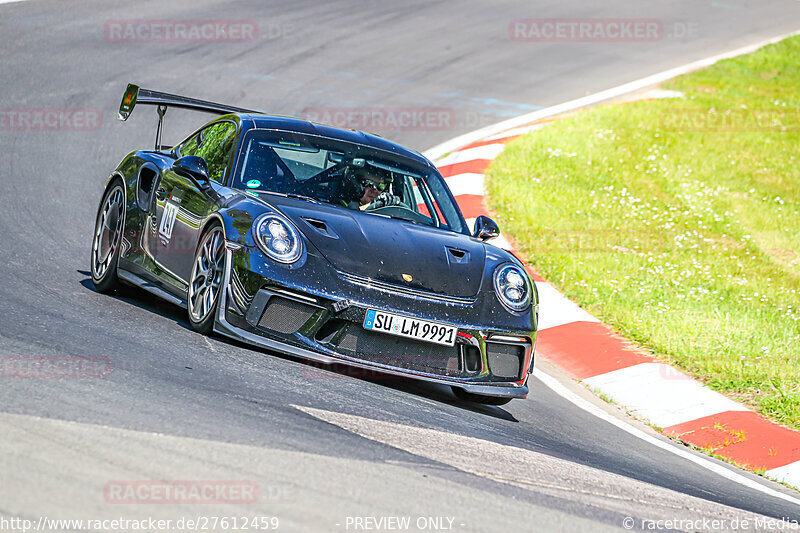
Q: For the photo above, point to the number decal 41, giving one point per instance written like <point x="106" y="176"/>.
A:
<point x="167" y="222"/>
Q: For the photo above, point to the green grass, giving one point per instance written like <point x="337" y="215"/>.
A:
<point x="677" y="222"/>
<point x="603" y="396"/>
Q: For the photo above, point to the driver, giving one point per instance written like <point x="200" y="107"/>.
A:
<point x="371" y="189"/>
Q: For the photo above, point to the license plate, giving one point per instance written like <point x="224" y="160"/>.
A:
<point x="411" y="328"/>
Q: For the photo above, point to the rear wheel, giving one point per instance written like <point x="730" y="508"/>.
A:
<point x="107" y="239"/>
<point x="205" y="282"/>
<point x="461" y="394"/>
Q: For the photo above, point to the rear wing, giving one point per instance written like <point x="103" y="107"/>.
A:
<point x="135" y="95"/>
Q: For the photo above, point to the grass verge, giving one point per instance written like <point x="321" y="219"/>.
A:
<point x="677" y="222"/>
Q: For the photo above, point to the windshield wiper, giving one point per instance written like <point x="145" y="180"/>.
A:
<point x="293" y="195"/>
<point x="398" y="217"/>
<point x="302" y="197"/>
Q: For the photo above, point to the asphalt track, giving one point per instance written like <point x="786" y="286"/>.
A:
<point x="322" y="446"/>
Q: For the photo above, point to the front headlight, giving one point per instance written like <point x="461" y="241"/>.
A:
<point x="512" y="287"/>
<point x="278" y="238"/>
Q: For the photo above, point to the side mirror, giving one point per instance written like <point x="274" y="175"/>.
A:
<point x="485" y="228"/>
<point x="194" y="168"/>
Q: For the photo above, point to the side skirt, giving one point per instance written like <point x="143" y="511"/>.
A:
<point x="139" y="277"/>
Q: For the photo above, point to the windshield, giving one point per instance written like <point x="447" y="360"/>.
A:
<point x="348" y="175"/>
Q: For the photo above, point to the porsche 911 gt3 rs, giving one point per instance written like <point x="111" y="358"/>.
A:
<point x="332" y="245"/>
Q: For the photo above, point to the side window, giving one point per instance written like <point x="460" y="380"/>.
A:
<point x="216" y="144"/>
<point x="189" y="147"/>
<point x="417" y="200"/>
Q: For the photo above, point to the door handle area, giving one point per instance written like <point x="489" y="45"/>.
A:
<point x="161" y="193"/>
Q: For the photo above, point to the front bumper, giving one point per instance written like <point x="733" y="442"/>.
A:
<point x="322" y="321"/>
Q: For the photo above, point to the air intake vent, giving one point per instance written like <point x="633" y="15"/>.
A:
<point x="471" y="358"/>
<point x="398" y="352"/>
<point x="285" y="316"/>
<point x="457" y="256"/>
<point x="505" y="360"/>
<point x="321" y="227"/>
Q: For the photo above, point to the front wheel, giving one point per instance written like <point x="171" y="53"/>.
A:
<point x="461" y="394"/>
<point x="205" y="283"/>
<point x="108" y="239"/>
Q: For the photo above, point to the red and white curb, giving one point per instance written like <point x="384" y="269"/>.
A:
<point x="590" y="351"/>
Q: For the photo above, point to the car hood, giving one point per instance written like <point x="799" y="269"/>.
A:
<point x="384" y="249"/>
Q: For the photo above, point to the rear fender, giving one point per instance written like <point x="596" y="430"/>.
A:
<point x="129" y="172"/>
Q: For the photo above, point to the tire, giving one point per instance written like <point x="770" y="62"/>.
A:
<point x="107" y="239"/>
<point x="461" y="394"/>
<point x="205" y="282"/>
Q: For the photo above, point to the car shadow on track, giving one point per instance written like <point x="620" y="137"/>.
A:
<point x="143" y="300"/>
<point x="431" y="391"/>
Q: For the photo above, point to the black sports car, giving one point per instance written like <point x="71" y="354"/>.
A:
<point x="332" y="245"/>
